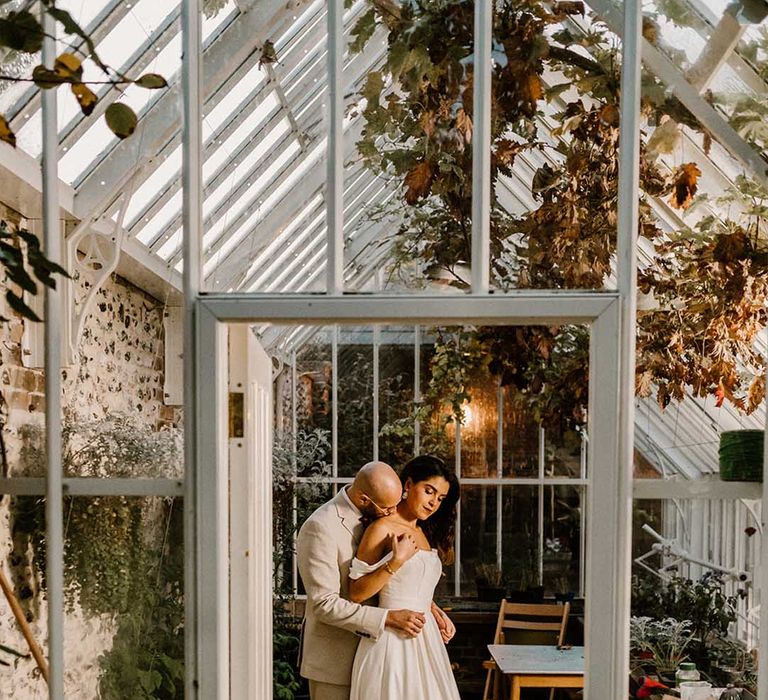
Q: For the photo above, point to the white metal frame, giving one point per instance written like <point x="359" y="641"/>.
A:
<point x="607" y="490"/>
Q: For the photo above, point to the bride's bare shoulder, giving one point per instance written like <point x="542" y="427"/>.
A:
<point x="380" y="527"/>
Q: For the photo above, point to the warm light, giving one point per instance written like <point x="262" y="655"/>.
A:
<point x="469" y="417"/>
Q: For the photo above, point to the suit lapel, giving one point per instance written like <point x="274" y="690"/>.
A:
<point x="349" y="517"/>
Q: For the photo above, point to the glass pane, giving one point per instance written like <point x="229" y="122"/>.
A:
<point x="480" y="572"/>
<point x="355" y="404"/>
<point x="124" y="562"/>
<point x="265" y="159"/>
<point x="694" y="597"/>
<point x="520" y="543"/>
<point x="720" y="49"/>
<point x="480" y="429"/>
<point x="122" y="400"/>
<point x="562" y="557"/>
<point x="520" y="448"/>
<point x="408" y="147"/>
<point x="553" y="206"/>
<point x="396" y="388"/>
<point x="23" y="530"/>
<point x="564" y="453"/>
<point x="314" y="390"/>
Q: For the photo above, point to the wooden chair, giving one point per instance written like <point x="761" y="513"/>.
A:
<point x="522" y="623"/>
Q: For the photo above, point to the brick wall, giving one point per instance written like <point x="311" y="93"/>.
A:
<point x="119" y="371"/>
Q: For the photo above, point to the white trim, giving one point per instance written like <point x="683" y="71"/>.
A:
<point x="87" y="486"/>
<point x="335" y="162"/>
<point x="481" y="149"/>
<point x="196" y="603"/>
<point x="54" y="312"/>
<point x="250" y="518"/>
<point x="608" y="515"/>
<point x="518" y="308"/>
<point x="211" y="505"/>
<point x="761" y="575"/>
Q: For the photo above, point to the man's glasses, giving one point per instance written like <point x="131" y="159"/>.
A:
<point x="384" y="511"/>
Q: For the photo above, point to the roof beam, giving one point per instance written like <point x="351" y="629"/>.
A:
<point x="311" y="182"/>
<point x="710" y="119"/>
<point x="307" y="129"/>
<point x="227" y="58"/>
<point x="716" y="51"/>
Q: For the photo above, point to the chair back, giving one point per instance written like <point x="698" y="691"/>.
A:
<point x="523" y="623"/>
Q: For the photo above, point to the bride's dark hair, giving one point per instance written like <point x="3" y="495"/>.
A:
<point x="440" y="526"/>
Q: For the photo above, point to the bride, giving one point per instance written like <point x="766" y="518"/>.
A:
<point x="401" y="558"/>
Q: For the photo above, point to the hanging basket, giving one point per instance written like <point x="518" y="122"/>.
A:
<point x="741" y="455"/>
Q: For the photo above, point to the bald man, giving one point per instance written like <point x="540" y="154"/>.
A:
<point x="326" y="545"/>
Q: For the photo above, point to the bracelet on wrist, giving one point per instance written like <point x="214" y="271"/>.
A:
<point x="389" y="569"/>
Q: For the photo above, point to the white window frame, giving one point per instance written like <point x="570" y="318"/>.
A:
<point x="498" y="479"/>
<point x="608" y="496"/>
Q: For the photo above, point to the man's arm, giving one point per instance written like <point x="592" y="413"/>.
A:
<point x="318" y="566"/>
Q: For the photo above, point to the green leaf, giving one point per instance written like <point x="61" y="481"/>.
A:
<point x="363" y="30"/>
<point x="555" y="91"/>
<point x="398" y="53"/>
<point x="152" y="81"/>
<point x="18" y="305"/>
<point x="45" y="78"/>
<point x="374" y="85"/>
<point x="21" y="31"/>
<point x="72" y="27"/>
<point x="121" y="119"/>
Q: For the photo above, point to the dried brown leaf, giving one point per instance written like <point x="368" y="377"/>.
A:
<point x="6" y="134"/>
<point x="684" y="184"/>
<point x="464" y="125"/>
<point x="418" y="181"/>
<point x="609" y="114"/>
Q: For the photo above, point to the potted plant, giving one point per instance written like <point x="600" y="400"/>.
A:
<point x="488" y="580"/>
<point x="658" y="646"/>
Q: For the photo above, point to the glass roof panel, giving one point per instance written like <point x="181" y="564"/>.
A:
<point x="154" y="185"/>
<point x="268" y="175"/>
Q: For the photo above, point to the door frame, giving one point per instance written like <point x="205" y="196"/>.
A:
<point x="609" y="494"/>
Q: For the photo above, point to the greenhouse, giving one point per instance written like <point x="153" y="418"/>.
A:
<point x="254" y="251"/>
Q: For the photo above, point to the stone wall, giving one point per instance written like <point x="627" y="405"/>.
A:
<point x="119" y="371"/>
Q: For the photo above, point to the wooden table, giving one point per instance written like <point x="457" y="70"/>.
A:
<point x="534" y="666"/>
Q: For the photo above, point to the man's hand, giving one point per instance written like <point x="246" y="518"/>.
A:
<point x="406" y="622"/>
<point x="444" y="623"/>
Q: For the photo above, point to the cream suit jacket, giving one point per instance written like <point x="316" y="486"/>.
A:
<point x="333" y="625"/>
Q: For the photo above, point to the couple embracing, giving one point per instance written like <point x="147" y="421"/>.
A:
<point x="396" y="649"/>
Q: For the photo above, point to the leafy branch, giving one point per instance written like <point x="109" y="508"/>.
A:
<point x="21" y="32"/>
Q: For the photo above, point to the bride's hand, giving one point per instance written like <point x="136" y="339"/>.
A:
<point x="403" y="548"/>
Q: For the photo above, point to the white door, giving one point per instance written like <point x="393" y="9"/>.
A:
<point x="250" y="515"/>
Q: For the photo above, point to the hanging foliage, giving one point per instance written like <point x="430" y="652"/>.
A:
<point x="418" y="127"/>
<point x="22" y="34"/>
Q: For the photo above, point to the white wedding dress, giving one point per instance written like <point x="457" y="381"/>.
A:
<point x="399" y="668"/>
